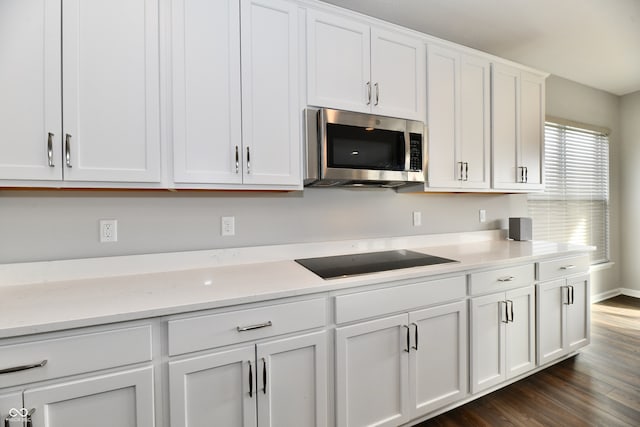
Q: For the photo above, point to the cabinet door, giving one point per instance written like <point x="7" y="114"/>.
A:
<point x="30" y="111"/>
<point x="111" y="90"/>
<point x="578" y="313"/>
<point x="206" y="91"/>
<point x="398" y="75"/>
<point x="550" y="330"/>
<point x="475" y="135"/>
<point x="123" y="399"/>
<point x="532" y="128"/>
<point x="488" y="320"/>
<point x="292" y="381"/>
<point x="219" y="386"/>
<point x="438" y="366"/>
<point x="338" y="62"/>
<point x="504" y="115"/>
<point x="520" y="331"/>
<point x="271" y="115"/>
<point x="443" y="84"/>
<point x="372" y="361"/>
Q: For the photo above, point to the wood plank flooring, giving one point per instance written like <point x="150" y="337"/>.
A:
<point x="598" y="387"/>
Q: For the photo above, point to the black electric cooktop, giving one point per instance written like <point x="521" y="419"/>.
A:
<point x="332" y="267"/>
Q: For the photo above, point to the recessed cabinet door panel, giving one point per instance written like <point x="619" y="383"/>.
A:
<point x="551" y="317"/>
<point x="579" y="313"/>
<point x="372" y="362"/>
<point x="206" y="91"/>
<point x="438" y="366"/>
<point x="292" y="376"/>
<point x="488" y="322"/>
<point x="271" y="115"/>
<point x="111" y="90"/>
<point x="397" y="75"/>
<point x="338" y="62"/>
<point x="475" y="135"/>
<point x="520" y="331"/>
<point x="532" y="127"/>
<point x="443" y="88"/>
<point x="505" y="112"/>
<point x="214" y="387"/>
<point x="30" y="90"/>
<point x="123" y="399"/>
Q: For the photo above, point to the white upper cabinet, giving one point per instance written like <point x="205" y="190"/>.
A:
<point x="111" y="94"/>
<point x="107" y="57"/>
<point x="30" y="112"/>
<point x="236" y="124"/>
<point x="355" y="67"/>
<point x="458" y="119"/>
<point x="518" y="124"/>
<point x="206" y="91"/>
<point x="271" y="116"/>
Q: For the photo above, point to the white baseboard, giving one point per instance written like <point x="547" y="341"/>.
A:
<point x="614" y="292"/>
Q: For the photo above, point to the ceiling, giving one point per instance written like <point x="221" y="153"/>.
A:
<point x="593" y="42"/>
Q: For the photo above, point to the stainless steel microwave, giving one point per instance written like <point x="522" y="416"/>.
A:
<point x="344" y="148"/>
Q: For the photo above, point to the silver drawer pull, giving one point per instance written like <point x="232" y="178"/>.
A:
<point x="252" y="327"/>
<point x="567" y="267"/>
<point x="506" y="279"/>
<point x="23" y="367"/>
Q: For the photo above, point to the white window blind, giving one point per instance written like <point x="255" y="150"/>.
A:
<point x="574" y="207"/>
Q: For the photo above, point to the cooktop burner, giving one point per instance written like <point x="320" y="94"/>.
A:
<point x="332" y="267"/>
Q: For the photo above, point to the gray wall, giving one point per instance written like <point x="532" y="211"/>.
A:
<point x="45" y="225"/>
<point x="576" y="102"/>
<point x="630" y="190"/>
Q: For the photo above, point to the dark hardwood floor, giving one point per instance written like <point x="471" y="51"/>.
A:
<point x="598" y="387"/>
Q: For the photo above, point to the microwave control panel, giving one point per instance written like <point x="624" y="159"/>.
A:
<point x="415" y="154"/>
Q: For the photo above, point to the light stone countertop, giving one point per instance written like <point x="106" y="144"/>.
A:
<point x="43" y="306"/>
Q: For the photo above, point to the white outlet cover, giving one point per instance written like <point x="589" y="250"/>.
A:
<point x="108" y="230"/>
<point x="228" y="226"/>
<point x="482" y="215"/>
<point x="417" y="219"/>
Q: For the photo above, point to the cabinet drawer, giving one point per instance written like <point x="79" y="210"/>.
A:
<point x="547" y="270"/>
<point x="74" y="354"/>
<point x="216" y="330"/>
<point x="398" y="298"/>
<point x="501" y="279"/>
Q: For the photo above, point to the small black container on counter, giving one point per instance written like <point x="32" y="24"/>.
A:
<point x="520" y="229"/>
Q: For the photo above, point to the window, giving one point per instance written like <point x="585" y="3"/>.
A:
<point x="574" y="208"/>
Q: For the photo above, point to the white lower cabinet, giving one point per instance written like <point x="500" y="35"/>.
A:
<point x="123" y="399"/>
<point x="276" y="383"/>
<point x="563" y="317"/>
<point x="502" y="337"/>
<point x="391" y="370"/>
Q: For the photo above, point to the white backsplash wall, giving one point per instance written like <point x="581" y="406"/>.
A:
<point x="54" y="224"/>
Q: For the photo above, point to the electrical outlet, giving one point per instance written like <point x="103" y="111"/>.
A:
<point x="108" y="230"/>
<point x="228" y="226"/>
<point x="417" y="219"/>
<point x="482" y="215"/>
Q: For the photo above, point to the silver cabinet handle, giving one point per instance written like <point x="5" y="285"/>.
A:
<point x="67" y="150"/>
<point x="250" y="379"/>
<point x="504" y="314"/>
<point x="566" y="297"/>
<point x="526" y="174"/>
<point x="466" y="171"/>
<point x="252" y="327"/>
<point x="415" y="336"/>
<point x="264" y="375"/>
<point x="50" y="150"/>
<point x="20" y="413"/>
<point x="237" y="160"/>
<point x="506" y="279"/>
<point x="248" y="161"/>
<point x="23" y="367"/>
<point x="461" y="171"/>
<point x="510" y="305"/>
<point x="368" y="93"/>
<point x="568" y="267"/>
<point x="377" y="93"/>
<point x="408" y="349"/>
<point x="571" y="295"/>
